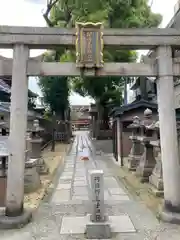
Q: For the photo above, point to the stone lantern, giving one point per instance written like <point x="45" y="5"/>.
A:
<point x="33" y="156"/>
<point x="36" y="144"/>
<point x="36" y="141"/>
<point x="156" y="179"/>
<point x="147" y="160"/>
<point x="135" y="153"/>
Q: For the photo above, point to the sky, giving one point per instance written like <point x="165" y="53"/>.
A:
<point x="29" y="13"/>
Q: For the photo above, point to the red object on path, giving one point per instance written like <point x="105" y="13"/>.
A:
<point x="85" y="154"/>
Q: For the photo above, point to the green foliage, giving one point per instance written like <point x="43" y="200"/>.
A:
<point x="47" y="115"/>
<point x="55" y="91"/>
<point x="113" y="14"/>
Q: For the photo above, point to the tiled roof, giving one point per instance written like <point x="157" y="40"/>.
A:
<point x="4" y="86"/>
<point x="128" y="107"/>
<point x="4" y="107"/>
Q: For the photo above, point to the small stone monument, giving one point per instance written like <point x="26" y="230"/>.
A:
<point x="136" y="151"/>
<point x="98" y="226"/>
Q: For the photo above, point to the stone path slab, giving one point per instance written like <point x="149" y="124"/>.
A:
<point x="80" y="197"/>
<point x="80" y="184"/>
<point x="118" y="198"/>
<point x="116" y="191"/>
<point x="63" y="186"/>
<point x="77" y="225"/>
<point x="61" y="196"/>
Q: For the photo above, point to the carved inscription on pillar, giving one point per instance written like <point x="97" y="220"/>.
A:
<point x="97" y="195"/>
<point x="97" y="199"/>
<point x="89" y="45"/>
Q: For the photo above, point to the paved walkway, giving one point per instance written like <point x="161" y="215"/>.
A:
<point x="63" y="216"/>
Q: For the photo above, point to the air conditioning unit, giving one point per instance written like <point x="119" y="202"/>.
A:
<point x="177" y="7"/>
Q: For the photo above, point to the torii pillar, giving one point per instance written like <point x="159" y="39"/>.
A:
<point x="15" y="215"/>
<point x="168" y="136"/>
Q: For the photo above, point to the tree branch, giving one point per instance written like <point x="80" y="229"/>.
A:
<point x="50" y="5"/>
<point x="68" y="13"/>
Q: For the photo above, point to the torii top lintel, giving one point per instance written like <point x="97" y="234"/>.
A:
<point x="48" y="38"/>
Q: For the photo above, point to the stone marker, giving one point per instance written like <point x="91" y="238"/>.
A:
<point x="98" y="227"/>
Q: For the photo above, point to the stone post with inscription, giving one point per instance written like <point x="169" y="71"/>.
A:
<point x="98" y="226"/>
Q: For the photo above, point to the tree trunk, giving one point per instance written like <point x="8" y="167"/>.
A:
<point x="105" y="119"/>
<point x="53" y="132"/>
<point x="98" y="121"/>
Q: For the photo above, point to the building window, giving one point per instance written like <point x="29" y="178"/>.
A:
<point x="2" y="117"/>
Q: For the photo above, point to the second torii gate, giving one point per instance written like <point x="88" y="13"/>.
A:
<point x="21" y="39"/>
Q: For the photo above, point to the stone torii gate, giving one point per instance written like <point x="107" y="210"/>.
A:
<point x="87" y="39"/>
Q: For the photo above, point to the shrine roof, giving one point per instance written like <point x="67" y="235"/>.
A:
<point x="118" y="111"/>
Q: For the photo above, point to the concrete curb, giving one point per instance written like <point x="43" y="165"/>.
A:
<point x="55" y="176"/>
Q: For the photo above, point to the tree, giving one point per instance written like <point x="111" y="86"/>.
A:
<point x="55" y="92"/>
<point x="55" y="89"/>
<point x="114" y="14"/>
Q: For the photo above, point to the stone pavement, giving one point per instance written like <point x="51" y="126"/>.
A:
<point x="63" y="215"/>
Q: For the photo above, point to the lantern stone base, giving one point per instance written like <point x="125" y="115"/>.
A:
<point x="157" y="185"/>
<point x="15" y="222"/>
<point x="156" y="192"/>
<point x="156" y="179"/>
<point x="42" y="167"/>
<point x="132" y="162"/>
<point x="146" y="164"/>
<point x="31" y="176"/>
<point x="143" y="174"/>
